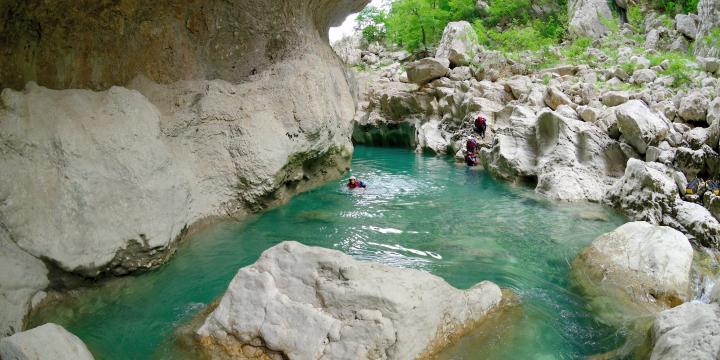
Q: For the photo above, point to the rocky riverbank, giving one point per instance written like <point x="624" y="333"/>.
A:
<point x="624" y="120"/>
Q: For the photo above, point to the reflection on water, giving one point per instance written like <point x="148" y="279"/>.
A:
<point x="418" y="211"/>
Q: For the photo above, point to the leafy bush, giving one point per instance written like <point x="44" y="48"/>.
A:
<point x="371" y="23"/>
<point x="518" y="39"/>
<point x="636" y="19"/>
<point x="676" y="6"/>
<point x="503" y="12"/>
<point x="678" y="67"/>
<point x="416" y="24"/>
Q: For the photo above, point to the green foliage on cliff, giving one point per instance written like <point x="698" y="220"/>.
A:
<point x="505" y="24"/>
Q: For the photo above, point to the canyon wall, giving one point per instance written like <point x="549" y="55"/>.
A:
<point x="123" y="123"/>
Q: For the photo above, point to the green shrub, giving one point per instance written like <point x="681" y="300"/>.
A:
<point x="678" y="67"/>
<point x="578" y="49"/>
<point x="636" y="19"/>
<point x="371" y="23"/>
<point x="503" y="12"/>
<point x="676" y="6"/>
<point x="713" y="38"/>
<point x="518" y="38"/>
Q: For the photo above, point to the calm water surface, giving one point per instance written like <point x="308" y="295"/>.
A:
<point x="419" y="212"/>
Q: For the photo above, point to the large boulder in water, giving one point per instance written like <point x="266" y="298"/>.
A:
<point x="636" y="264"/>
<point x="586" y="18"/>
<point x="46" y="342"/>
<point x="459" y="43"/>
<point x="690" y="331"/>
<point x="301" y="302"/>
<point x="640" y="126"/>
<point x="426" y="70"/>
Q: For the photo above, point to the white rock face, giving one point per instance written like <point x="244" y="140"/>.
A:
<point x="649" y="262"/>
<point x="21" y="277"/>
<point x="426" y="70"/>
<point x="709" y="14"/>
<point x="571" y="160"/>
<point x="430" y="137"/>
<point x="585" y="17"/>
<point x="640" y="126"/>
<point x="686" y="25"/>
<point x="459" y="43"/>
<point x="690" y="331"/>
<point x="49" y="341"/>
<point x="693" y="107"/>
<point x="313" y="303"/>
<point x="615" y="98"/>
<point x="645" y="192"/>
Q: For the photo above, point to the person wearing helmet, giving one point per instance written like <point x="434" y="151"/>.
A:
<point x="481" y="125"/>
<point x="354" y="183"/>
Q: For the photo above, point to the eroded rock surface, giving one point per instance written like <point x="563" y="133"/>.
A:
<point x="302" y="302"/>
<point x="49" y="341"/>
<point x="642" y="268"/>
<point x="690" y="331"/>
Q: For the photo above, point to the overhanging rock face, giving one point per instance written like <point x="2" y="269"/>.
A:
<point x="97" y="44"/>
<point x="124" y="123"/>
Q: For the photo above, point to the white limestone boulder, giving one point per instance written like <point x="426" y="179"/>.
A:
<point x="459" y="43"/>
<point x="300" y="302"/>
<point x="690" y="331"/>
<point x="640" y="126"/>
<point x="46" y="342"/>
<point x="693" y="107"/>
<point x="426" y="70"/>
<point x="645" y="267"/>
<point x="21" y="277"/>
<point x="586" y="18"/>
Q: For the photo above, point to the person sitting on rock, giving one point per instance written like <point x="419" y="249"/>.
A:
<point x="481" y="125"/>
<point x="354" y="183"/>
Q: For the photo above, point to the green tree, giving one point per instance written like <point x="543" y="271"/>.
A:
<point x="417" y="24"/>
<point x="371" y="23"/>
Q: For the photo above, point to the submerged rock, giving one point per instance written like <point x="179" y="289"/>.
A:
<point x="46" y="342"/>
<point x="644" y="267"/>
<point x="301" y="302"/>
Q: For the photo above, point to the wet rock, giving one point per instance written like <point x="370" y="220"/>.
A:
<point x="637" y="263"/>
<point x="426" y="70"/>
<point x="459" y="43"/>
<point x="49" y="341"/>
<point x="639" y="125"/>
<point x="689" y="331"/>
<point x="308" y="302"/>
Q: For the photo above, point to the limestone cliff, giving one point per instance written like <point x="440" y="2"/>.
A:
<point x="122" y="123"/>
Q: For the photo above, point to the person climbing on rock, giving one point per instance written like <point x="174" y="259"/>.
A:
<point x="481" y="125"/>
<point x="471" y="145"/>
<point x="354" y="183"/>
<point x="471" y="159"/>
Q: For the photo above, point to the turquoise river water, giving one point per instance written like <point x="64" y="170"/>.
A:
<point x="421" y="212"/>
